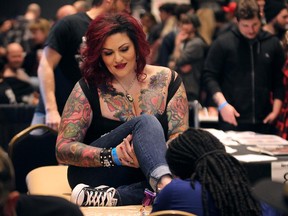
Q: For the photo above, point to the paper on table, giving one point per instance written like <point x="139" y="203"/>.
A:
<point x="260" y="139"/>
<point x="254" y="158"/>
<point x="229" y="142"/>
<point x="230" y="150"/>
<point x="222" y="136"/>
<point x="240" y="133"/>
<point x="270" y="150"/>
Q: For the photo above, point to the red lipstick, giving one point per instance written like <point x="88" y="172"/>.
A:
<point x="120" y="66"/>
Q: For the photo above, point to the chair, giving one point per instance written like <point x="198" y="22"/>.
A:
<point x="171" y="213"/>
<point x="49" y="180"/>
<point x="13" y="119"/>
<point x="193" y="113"/>
<point x="28" y="151"/>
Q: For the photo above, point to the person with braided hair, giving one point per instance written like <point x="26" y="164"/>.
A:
<point x="208" y="181"/>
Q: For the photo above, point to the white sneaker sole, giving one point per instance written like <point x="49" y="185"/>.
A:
<point x="78" y="195"/>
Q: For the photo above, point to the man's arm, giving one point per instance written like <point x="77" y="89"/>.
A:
<point x="214" y="64"/>
<point x="49" y="60"/>
<point x="277" y="83"/>
<point x="227" y="111"/>
<point x="22" y="75"/>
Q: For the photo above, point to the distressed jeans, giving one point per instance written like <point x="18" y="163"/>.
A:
<point x="150" y="148"/>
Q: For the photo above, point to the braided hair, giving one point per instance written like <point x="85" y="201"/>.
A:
<point x="198" y="155"/>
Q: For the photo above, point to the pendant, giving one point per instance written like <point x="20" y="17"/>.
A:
<point x="129" y="98"/>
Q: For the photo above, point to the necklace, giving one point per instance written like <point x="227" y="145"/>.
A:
<point x="127" y="95"/>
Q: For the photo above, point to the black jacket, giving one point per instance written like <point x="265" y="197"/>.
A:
<point x="247" y="72"/>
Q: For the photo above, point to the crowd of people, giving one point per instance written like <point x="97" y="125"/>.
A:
<point x="117" y="89"/>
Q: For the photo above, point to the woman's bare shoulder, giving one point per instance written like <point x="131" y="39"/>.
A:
<point x="152" y="69"/>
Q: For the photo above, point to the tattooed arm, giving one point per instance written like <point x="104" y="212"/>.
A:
<point x="178" y="113"/>
<point x="76" y="118"/>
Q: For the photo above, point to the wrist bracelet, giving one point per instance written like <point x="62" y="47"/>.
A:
<point x="115" y="157"/>
<point x="221" y="106"/>
<point x="106" y="157"/>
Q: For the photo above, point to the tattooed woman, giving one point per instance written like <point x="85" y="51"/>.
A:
<point x="120" y="117"/>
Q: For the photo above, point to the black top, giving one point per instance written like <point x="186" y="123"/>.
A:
<point x="247" y="72"/>
<point x="7" y="95"/>
<point x="107" y="125"/>
<point x="66" y="37"/>
<point x="20" y="88"/>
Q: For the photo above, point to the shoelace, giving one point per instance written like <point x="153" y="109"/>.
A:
<point x="96" y="197"/>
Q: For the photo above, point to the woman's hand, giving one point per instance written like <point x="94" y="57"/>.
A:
<point x="126" y="154"/>
<point x="270" y="118"/>
<point x="181" y="36"/>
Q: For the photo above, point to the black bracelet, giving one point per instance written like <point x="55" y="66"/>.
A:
<point x="106" y="157"/>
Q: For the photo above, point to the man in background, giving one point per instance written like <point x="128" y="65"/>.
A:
<point x="15" y="58"/>
<point x="276" y="15"/>
<point x="65" y="10"/>
<point x="243" y="70"/>
<point x="15" y="76"/>
<point x="81" y="5"/>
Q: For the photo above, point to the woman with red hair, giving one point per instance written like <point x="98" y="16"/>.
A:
<point x="119" y="117"/>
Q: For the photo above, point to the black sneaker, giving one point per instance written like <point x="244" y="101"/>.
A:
<point x="84" y="195"/>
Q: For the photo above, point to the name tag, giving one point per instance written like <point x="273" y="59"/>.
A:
<point x="279" y="171"/>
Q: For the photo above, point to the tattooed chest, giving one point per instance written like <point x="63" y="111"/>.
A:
<point x="120" y="108"/>
<point x="149" y="99"/>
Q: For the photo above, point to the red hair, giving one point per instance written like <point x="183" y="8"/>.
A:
<point x="105" y="25"/>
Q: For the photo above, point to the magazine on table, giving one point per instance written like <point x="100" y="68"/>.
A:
<point x="274" y="150"/>
<point x="260" y="139"/>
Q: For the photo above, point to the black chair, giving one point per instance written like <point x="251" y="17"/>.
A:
<point x="13" y="119"/>
<point x="28" y="151"/>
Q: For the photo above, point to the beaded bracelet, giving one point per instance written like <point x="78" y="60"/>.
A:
<point x="115" y="157"/>
<point x="106" y="157"/>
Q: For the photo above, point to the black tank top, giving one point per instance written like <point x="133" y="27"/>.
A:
<point x="101" y="125"/>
